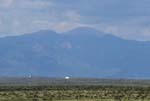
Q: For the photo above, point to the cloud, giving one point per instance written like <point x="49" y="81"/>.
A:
<point x="6" y="3"/>
<point x="134" y="28"/>
<point x="127" y="19"/>
<point x="33" y="4"/>
<point x="73" y="16"/>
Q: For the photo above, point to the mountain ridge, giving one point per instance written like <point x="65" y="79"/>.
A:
<point x="46" y="53"/>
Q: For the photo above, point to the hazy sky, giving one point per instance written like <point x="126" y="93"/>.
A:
<point x="125" y="18"/>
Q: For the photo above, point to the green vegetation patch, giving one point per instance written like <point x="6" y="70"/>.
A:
<point x="74" y="93"/>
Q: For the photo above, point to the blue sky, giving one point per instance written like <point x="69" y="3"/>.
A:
<point x="128" y="19"/>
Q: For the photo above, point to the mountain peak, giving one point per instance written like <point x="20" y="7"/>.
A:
<point x="46" y="31"/>
<point x="85" y="31"/>
<point x="42" y="34"/>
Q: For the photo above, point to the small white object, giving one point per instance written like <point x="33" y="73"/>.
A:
<point x="67" y="78"/>
<point x="30" y="76"/>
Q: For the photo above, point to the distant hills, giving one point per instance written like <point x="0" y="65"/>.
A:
<point x="81" y="52"/>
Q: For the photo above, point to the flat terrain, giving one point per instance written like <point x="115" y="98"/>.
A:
<point x="48" y="89"/>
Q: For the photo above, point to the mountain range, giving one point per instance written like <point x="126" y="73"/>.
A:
<point x="81" y="52"/>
